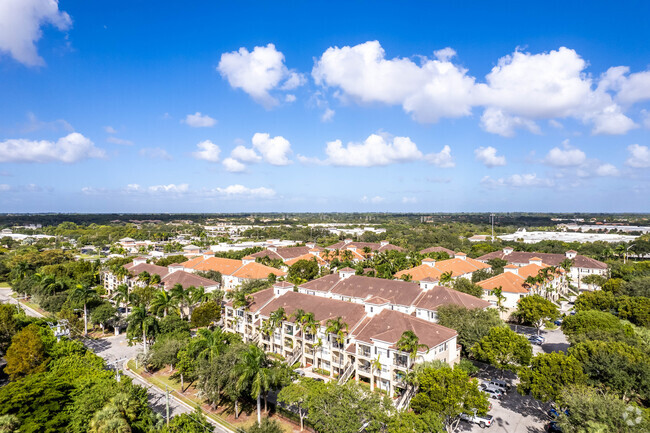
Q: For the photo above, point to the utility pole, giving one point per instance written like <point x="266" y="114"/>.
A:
<point x="167" y="404"/>
<point x="492" y="218"/>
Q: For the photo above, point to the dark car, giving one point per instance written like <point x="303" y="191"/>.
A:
<point x="553" y="427"/>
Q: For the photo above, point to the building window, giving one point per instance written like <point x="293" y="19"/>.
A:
<point x="371" y="309"/>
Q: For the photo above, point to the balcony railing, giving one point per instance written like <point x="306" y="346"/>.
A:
<point x="364" y="368"/>
<point x="401" y="362"/>
<point x="363" y="352"/>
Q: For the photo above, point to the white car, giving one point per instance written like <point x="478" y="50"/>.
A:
<point x="491" y="390"/>
<point x="481" y="420"/>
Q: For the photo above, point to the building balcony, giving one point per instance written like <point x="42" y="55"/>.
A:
<point x="361" y="351"/>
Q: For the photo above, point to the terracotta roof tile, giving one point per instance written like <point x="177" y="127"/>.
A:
<point x="437" y="296"/>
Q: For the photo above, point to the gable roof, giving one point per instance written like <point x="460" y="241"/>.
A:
<point x="322" y="284"/>
<point x="186" y="279"/>
<point x="389" y="325"/>
<point x="285" y="253"/>
<point x="437" y="250"/>
<point x="550" y="259"/>
<point x="260" y="299"/>
<point x="457" y="267"/>
<point x="421" y="273"/>
<point x="308" y="256"/>
<point x="146" y="267"/>
<point x="323" y="308"/>
<point x="396" y="292"/>
<point x="256" y="271"/>
<point x="509" y="282"/>
<point x="439" y="295"/>
<point x="374" y="246"/>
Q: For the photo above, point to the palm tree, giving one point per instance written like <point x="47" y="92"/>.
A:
<point x="198" y="295"/>
<point x="154" y="280"/>
<point x="162" y="301"/>
<point x="145" y="277"/>
<point x="240" y="299"/>
<point x="210" y="344"/>
<point x="109" y="419"/>
<point x="445" y="278"/>
<point x="498" y="293"/>
<point x="338" y="328"/>
<point x="253" y="373"/>
<point x="275" y="321"/>
<point x="180" y="296"/>
<point x="121" y="295"/>
<point x="410" y="343"/>
<point x="83" y="293"/>
<point x="300" y="316"/>
<point x="140" y="321"/>
<point x="310" y="325"/>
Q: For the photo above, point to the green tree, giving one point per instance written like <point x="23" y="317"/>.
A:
<point x="594" y="324"/>
<point x="83" y="294"/>
<point x="265" y="426"/>
<point x="163" y="302"/>
<point x="27" y="353"/>
<point x="141" y="324"/>
<point x="449" y="392"/>
<point x="548" y="374"/>
<point x="206" y="314"/>
<point x="337" y="329"/>
<point x="181" y="297"/>
<point x="471" y="325"/>
<point x="103" y="315"/>
<point x="303" y="271"/>
<point x="9" y="325"/>
<point x="466" y="286"/>
<point x="504" y="349"/>
<point x="446" y="278"/>
<point x="534" y="310"/>
<point x="298" y="394"/>
<point x="409" y="422"/>
<point x="121" y="295"/>
<point x="410" y="343"/>
<point x="253" y="375"/>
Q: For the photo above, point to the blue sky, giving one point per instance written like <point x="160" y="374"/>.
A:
<point x="121" y="106"/>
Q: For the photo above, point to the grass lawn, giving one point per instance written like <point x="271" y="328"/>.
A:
<point x="5" y="286"/>
<point x="222" y="415"/>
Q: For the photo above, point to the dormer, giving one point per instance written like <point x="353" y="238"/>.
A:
<point x="352" y="248"/>
<point x="383" y="243"/>
<point x="427" y="284"/>
<point x="507" y="250"/>
<point x="460" y="255"/>
<point x="139" y="260"/>
<point x="248" y="259"/>
<point x="272" y="248"/>
<point x="347" y="241"/>
<point x="535" y="261"/>
<point x="511" y="268"/>
<point x="429" y="262"/>
<point x="374" y="305"/>
<point x="346" y="273"/>
<point x="571" y="254"/>
<point x="310" y="245"/>
<point x="314" y="252"/>
<point x="282" y="287"/>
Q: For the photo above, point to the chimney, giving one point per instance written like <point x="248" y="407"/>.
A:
<point x="571" y="254"/>
<point x="139" y="261"/>
<point x="507" y="250"/>
<point x="346" y="273"/>
<point x="383" y="243"/>
<point x="429" y="262"/>
<point x="347" y="241"/>
<point x="511" y="268"/>
<point x="460" y="255"/>
<point x="535" y="261"/>
<point x="272" y="248"/>
<point x="248" y="259"/>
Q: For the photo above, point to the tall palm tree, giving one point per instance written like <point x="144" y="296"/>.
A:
<point x="253" y="374"/>
<point x="275" y="321"/>
<point x="338" y="328"/>
<point x="162" y="301"/>
<point x="198" y="295"/>
<point x="180" y="296"/>
<point x="145" y="277"/>
<point x="139" y="322"/>
<point x="311" y="325"/>
<point x="121" y="296"/>
<point x="83" y="293"/>
<point x="445" y="278"/>
<point x="154" y="280"/>
<point x="210" y="344"/>
<point x="48" y="284"/>
<point x="121" y="273"/>
<point x="410" y="343"/>
<point x="498" y="293"/>
<point x="240" y="299"/>
<point x="299" y="315"/>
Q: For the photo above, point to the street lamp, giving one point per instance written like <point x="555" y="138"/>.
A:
<point x="625" y="255"/>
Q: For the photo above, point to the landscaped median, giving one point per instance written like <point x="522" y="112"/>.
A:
<point x="190" y="400"/>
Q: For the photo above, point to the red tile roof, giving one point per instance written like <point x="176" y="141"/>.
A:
<point x="437" y="296"/>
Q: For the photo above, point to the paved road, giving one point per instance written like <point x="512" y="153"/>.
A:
<point x="5" y="297"/>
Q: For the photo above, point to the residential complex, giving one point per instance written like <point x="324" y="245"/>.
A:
<point x="460" y="266"/>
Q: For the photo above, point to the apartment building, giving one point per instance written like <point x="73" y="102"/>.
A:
<point x="581" y="266"/>
<point x="368" y="350"/>
<point x="460" y="266"/>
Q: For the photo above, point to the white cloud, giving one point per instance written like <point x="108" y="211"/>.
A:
<point x="171" y="188"/>
<point x="496" y="121"/>
<point x="606" y="170"/>
<point x="233" y="166"/>
<point x="244" y="154"/>
<point x="629" y="88"/>
<point x="409" y="200"/>
<point x="488" y="156"/>
<point x="429" y="91"/>
<point x="110" y="130"/>
<point x="327" y="115"/>
<point x="639" y="156"/>
<point x="274" y="150"/>
<point x="555" y="124"/>
<point x="119" y="141"/>
<point x="566" y="157"/>
<point x="155" y="153"/>
<point x="290" y="98"/>
<point x="71" y="148"/>
<point x="521" y="89"/>
<point x="243" y="192"/>
<point x="373" y="200"/>
<point x="645" y="118"/>
<point x="375" y="150"/>
<point x="442" y="159"/>
<point x="20" y="27"/>
<point x="258" y="72"/>
<point x="208" y="151"/>
<point x="517" y="181"/>
<point x="198" y="120"/>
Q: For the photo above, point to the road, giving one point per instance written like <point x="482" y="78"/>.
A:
<point x="116" y="348"/>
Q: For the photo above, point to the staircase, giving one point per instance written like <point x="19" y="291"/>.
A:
<point x="295" y="355"/>
<point x="405" y="399"/>
<point x="256" y="338"/>
<point x="349" y="369"/>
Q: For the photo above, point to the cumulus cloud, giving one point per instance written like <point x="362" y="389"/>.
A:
<point x="566" y="156"/>
<point x="243" y="192"/>
<point x="198" y="120"/>
<point x="233" y="166"/>
<point x="639" y="156"/>
<point x="517" y="181"/>
<point x="274" y="150"/>
<point x="327" y="115"/>
<point x="488" y="156"/>
<point x="134" y="188"/>
<point x="245" y="154"/>
<point x="606" y="170"/>
<point x="155" y="153"/>
<point x="208" y="151"/>
<point x="259" y="72"/>
<point x="20" y="27"/>
<point x="629" y="88"/>
<point x="120" y="141"/>
<point x="71" y="148"/>
<point x="442" y="159"/>
<point x="376" y="150"/>
<point x="519" y="90"/>
<point x="373" y="200"/>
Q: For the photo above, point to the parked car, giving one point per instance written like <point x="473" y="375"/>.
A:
<point x="558" y="322"/>
<point x="553" y="413"/>
<point x="553" y="427"/>
<point x="481" y="420"/>
<point x="499" y="383"/>
<point x="491" y="391"/>
<point x="536" y="339"/>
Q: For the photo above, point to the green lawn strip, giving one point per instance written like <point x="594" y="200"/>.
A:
<point x="5" y="286"/>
